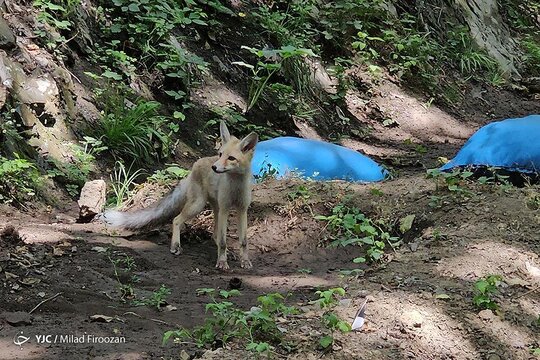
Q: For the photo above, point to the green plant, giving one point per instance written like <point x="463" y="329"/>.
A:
<point x="148" y="27"/>
<point x="533" y="201"/>
<point x="305" y="271"/>
<point x="338" y="70"/>
<point x="484" y="289"/>
<point x="343" y="19"/>
<point x="93" y="146"/>
<point x="265" y="68"/>
<point x="75" y="171"/>
<point x="19" y="180"/>
<point x="136" y="133"/>
<point x="349" y="226"/>
<point x="531" y="57"/>
<point x="452" y="181"/>
<point x="56" y="12"/>
<point x="157" y="299"/>
<point x="438" y="235"/>
<point x="301" y="192"/>
<point x="293" y="26"/>
<point x="168" y="175"/>
<point x="123" y="264"/>
<point x="180" y="65"/>
<point x="266" y="172"/>
<point x="256" y="328"/>
<point x="239" y="123"/>
<point x="10" y="130"/>
<point x="467" y="55"/>
<point x="147" y="22"/>
<point x="328" y="297"/>
<point x="351" y="272"/>
<point x="55" y="18"/>
<point x="121" y="182"/>
<point x="334" y="323"/>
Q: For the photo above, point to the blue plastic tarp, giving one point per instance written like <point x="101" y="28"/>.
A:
<point x="512" y="144"/>
<point x="317" y="160"/>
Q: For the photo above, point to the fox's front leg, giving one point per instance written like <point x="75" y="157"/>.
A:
<point x="242" y="236"/>
<point x="221" y="238"/>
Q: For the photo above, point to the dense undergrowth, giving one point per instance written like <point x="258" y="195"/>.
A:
<point x="147" y="57"/>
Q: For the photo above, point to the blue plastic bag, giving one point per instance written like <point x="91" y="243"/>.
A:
<point x="313" y="159"/>
<point x="512" y="144"/>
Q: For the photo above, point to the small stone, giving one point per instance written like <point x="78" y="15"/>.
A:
<point x="413" y="319"/>
<point x="486" y="314"/>
<point x="92" y="199"/>
<point x="65" y="219"/>
<point x="184" y="355"/>
<point x="18" y="318"/>
<point x="7" y="38"/>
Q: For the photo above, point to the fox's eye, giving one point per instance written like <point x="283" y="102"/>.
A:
<point x="231" y="158"/>
<point x="220" y="154"/>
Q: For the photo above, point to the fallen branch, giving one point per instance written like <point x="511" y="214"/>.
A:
<point x="44" y="301"/>
<point x="528" y="292"/>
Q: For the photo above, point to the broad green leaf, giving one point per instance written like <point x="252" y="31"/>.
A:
<point x="326" y="341"/>
<point x="405" y="224"/>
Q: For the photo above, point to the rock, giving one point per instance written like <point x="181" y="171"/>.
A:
<point x="320" y="77"/>
<point x="65" y="219"/>
<point x="486" y="314"/>
<point x="7" y="38"/>
<point x="489" y="32"/>
<point x="92" y="200"/>
<point x="101" y="318"/>
<point x="412" y="319"/>
<point x="184" y="355"/>
<point x="18" y="318"/>
<point x="532" y="84"/>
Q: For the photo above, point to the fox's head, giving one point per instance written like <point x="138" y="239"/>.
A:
<point x="234" y="155"/>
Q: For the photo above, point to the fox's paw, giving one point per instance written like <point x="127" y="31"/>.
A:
<point x="176" y="249"/>
<point x="246" y="264"/>
<point x="222" y="264"/>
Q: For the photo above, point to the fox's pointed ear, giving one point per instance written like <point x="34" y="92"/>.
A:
<point x="248" y="143"/>
<point x="225" y="135"/>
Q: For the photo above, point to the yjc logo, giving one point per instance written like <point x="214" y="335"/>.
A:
<point x="20" y="339"/>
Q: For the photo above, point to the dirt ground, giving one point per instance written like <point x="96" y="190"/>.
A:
<point x="449" y="248"/>
<point x="419" y="300"/>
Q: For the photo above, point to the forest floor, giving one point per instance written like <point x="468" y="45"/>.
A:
<point x="419" y="299"/>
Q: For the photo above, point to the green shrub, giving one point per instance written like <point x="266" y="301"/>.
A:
<point x="136" y="134"/>
<point x="19" y="181"/>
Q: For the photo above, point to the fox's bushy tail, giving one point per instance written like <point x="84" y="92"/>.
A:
<point x="159" y="213"/>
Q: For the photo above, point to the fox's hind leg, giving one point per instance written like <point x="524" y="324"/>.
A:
<point x="192" y="208"/>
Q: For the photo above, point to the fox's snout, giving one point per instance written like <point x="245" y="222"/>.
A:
<point x="219" y="169"/>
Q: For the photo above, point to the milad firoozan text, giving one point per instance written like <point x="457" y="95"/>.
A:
<point x="79" y="339"/>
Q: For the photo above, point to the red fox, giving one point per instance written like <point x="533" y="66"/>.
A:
<point x="223" y="181"/>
